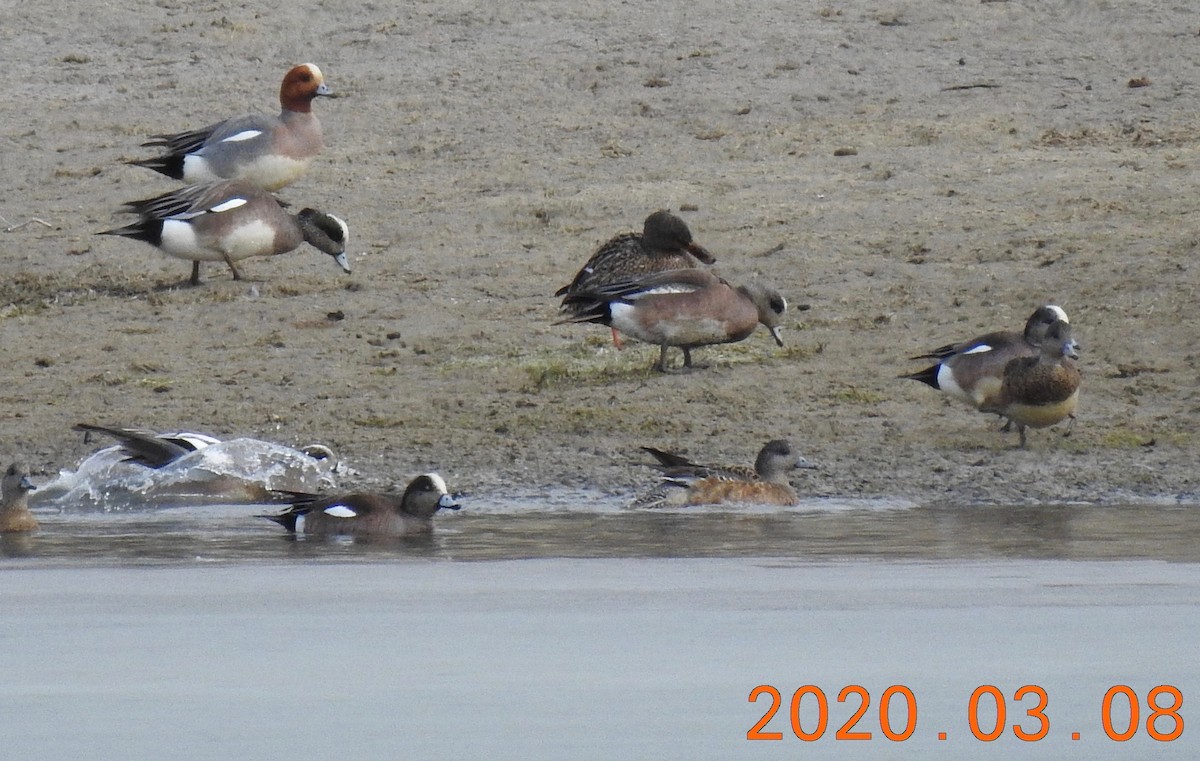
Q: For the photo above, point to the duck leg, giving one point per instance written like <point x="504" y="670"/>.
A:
<point x="661" y="364"/>
<point x="236" y="275"/>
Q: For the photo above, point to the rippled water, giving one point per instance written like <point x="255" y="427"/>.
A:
<point x="586" y="526"/>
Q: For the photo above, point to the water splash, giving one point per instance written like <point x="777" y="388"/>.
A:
<point x="238" y="470"/>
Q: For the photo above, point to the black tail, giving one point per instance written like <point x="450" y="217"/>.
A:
<point x="148" y="230"/>
<point x="583" y="308"/>
<point x="287" y="519"/>
<point x="928" y="376"/>
<point x="171" y="165"/>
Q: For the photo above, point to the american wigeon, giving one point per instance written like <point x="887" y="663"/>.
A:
<point x="971" y="371"/>
<point x="266" y="151"/>
<point x="157" y="450"/>
<point x="154" y="450"/>
<point x="686" y="308"/>
<point x="368" y="515"/>
<point x="665" y="243"/>
<point x="687" y="483"/>
<point x="15" y="517"/>
<point x="1040" y="391"/>
<point x="147" y="469"/>
<point x="229" y="221"/>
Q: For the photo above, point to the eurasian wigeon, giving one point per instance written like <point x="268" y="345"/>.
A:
<point x="665" y="243"/>
<point x="687" y="308"/>
<point x="267" y="151"/>
<point x="971" y="371"/>
<point x="229" y="221"/>
<point x="687" y="483"/>
<point x="368" y="515"/>
<point x="1040" y="391"/>
<point x="15" y="517"/>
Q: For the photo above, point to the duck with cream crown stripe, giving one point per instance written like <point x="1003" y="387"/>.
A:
<point x="368" y="515"/>
<point x="685" y="308"/>
<point x="267" y="151"/>
<point x="229" y="221"/>
<point x="971" y="371"/>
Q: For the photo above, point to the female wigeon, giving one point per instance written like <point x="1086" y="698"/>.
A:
<point x="14" y="507"/>
<point x="687" y="483"/>
<point x="228" y="221"/>
<point x="1040" y="391"/>
<point x="665" y="243"/>
<point x="685" y="308"/>
<point x="266" y="151"/>
<point x="368" y="515"/>
<point x="971" y="371"/>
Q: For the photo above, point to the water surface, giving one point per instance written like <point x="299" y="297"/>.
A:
<point x="572" y="629"/>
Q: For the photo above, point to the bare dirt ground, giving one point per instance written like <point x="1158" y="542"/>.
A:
<point x="910" y="172"/>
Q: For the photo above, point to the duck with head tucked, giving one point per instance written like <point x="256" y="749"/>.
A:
<point x="268" y="152"/>
<point x="230" y="221"/>
<point x="15" y="517"/>
<point x="368" y="515"/>
<point x="684" y="308"/>
<point x="688" y="483"/>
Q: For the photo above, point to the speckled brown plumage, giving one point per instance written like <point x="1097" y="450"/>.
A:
<point x="1040" y="391"/>
<point x="665" y="243"/>
<point x="688" y="483"/>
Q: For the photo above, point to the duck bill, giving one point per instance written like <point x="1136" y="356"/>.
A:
<point x="342" y="262"/>
<point x="777" y="334"/>
<point x="446" y="502"/>
<point x="701" y="253"/>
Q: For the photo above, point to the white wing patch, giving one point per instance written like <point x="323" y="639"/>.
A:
<point x="232" y="203"/>
<point x="339" y="511"/>
<point x="664" y="289"/>
<point x="196" y="440"/>
<point x="248" y="134"/>
<point x="980" y="349"/>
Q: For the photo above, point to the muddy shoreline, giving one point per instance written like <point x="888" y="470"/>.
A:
<point x="907" y="175"/>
